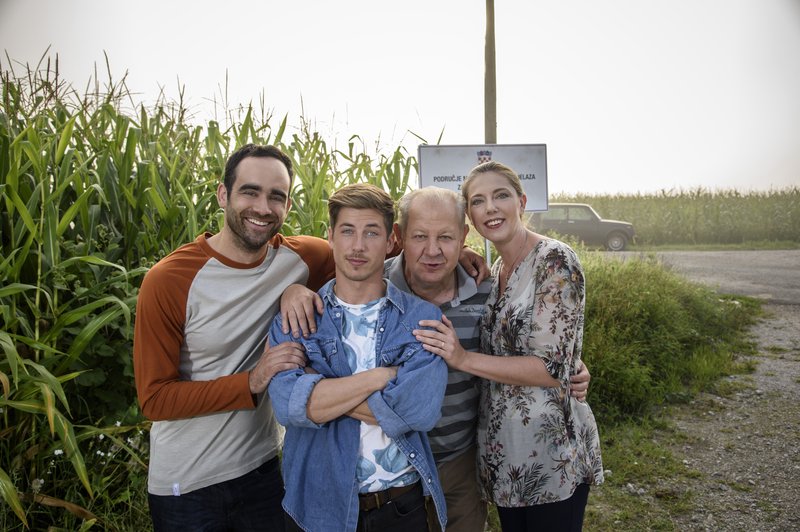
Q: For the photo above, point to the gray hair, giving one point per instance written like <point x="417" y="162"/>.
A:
<point x="436" y="195"/>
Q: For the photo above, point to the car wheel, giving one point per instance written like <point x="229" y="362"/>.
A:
<point x="616" y="242"/>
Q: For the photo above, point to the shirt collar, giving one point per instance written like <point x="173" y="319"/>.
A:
<point x="393" y="295"/>
<point x="466" y="284"/>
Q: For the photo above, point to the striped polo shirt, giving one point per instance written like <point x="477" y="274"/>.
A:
<point x="455" y="431"/>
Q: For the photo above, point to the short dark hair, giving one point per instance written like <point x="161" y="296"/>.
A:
<point x="362" y="196"/>
<point x="254" y="150"/>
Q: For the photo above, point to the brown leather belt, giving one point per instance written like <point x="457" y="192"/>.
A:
<point x="376" y="499"/>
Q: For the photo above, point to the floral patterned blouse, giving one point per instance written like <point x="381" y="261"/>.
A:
<point x="536" y="445"/>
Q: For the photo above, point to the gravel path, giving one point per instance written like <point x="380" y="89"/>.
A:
<point x="745" y="445"/>
<point x="741" y="448"/>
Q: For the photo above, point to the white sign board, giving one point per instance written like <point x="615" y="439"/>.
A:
<point x="448" y="166"/>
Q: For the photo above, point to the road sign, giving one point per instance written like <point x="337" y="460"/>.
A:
<point x="447" y="166"/>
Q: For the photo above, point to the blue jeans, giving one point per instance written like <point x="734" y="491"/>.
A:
<point x="251" y="502"/>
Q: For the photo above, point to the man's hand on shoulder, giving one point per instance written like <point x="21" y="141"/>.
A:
<point x="298" y="306"/>
<point x="284" y="356"/>
<point x="474" y="264"/>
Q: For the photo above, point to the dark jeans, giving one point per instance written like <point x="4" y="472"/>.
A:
<point x="251" y="502"/>
<point x="563" y="516"/>
<point x="403" y="514"/>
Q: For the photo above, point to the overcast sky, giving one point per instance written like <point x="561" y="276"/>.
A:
<point x="628" y="95"/>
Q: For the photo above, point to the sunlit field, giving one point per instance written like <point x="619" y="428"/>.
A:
<point x="703" y="217"/>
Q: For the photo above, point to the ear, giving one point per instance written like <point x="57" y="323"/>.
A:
<point x="464" y="235"/>
<point x="222" y="195"/>
<point x="523" y="201"/>
<point x="288" y="204"/>
<point x="397" y="232"/>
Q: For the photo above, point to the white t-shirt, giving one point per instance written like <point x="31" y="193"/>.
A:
<point x="381" y="464"/>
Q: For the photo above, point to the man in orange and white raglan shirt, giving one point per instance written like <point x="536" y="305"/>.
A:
<point x="201" y="360"/>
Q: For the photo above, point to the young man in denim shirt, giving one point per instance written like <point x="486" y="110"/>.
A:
<point x="356" y="454"/>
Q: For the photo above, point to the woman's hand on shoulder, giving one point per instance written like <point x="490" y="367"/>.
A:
<point x="439" y="338"/>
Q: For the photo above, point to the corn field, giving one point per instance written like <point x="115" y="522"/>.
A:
<point x="702" y="216"/>
<point x="92" y="196"/>
<point x="94" y="191"/>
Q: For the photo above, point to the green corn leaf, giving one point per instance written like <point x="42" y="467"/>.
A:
<point x="16" y="288"/>
<point x="53" y="386"/>
<point x="67" y="434"/>
<point x="49" y="237"/>
<point x="73" y="209"/>
<point x="88" y="332"/>
<point x="28" y="405"/>
<point x="281" y="129"/>
<point x="12" y="356"/>
<point x="34" y="158"/>
<point x="49" y="405"/>
<point x="77" y="314"/>
<point x="6" y="385"/>
<point x="91" y="259"/>
<point x="22" y="210"/>
<point x="11" y="496"/>
<point x="125" y="170"/>
<point x="63" y="142"/>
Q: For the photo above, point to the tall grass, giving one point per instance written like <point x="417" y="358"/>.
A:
<point x="96" y="189"/>
<point x="702" y="216"/>
<point x="651" y="336"/>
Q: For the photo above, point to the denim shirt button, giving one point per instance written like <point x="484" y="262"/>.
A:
<point x="430" y="480"/>
<point x="412" y="455"/>
<point x="381" y="329"/>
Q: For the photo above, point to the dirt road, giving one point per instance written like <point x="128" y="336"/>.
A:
<point x="744" y="444"/>
<point x="772" y="275"/>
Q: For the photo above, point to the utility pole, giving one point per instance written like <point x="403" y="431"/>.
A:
<point x="490" y="80"/>
<point x="489" y="97"/>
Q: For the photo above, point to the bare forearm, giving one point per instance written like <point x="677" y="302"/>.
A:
<point x="362" y="412"/>
<point x="334" y="397"/>
<point x="516" y="370"/>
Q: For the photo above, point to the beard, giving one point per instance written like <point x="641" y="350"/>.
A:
<point x="245" y="238"/>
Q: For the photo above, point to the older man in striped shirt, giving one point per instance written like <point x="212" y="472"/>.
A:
<point x="432" y="228"/>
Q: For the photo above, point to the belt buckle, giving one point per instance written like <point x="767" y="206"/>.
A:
<point x="378" y="503"/>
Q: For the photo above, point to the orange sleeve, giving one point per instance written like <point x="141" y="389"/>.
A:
<point x="157" y="340"/>
<point x="318" y="256"/>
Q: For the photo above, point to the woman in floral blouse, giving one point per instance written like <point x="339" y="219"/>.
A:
<point x="538" y="448"/>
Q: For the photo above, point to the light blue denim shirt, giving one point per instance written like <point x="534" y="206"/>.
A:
<point x="320" y="460"/>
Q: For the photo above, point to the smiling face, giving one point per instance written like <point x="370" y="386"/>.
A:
<point x="257" y="204"/>
<point x="360" y="242"/>
<point x="494" y="207"/>
<point x="432" y="241"/>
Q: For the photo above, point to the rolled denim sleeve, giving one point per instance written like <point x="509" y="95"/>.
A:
<point x="413" y="400"/>
<point x="290" y="390"/>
